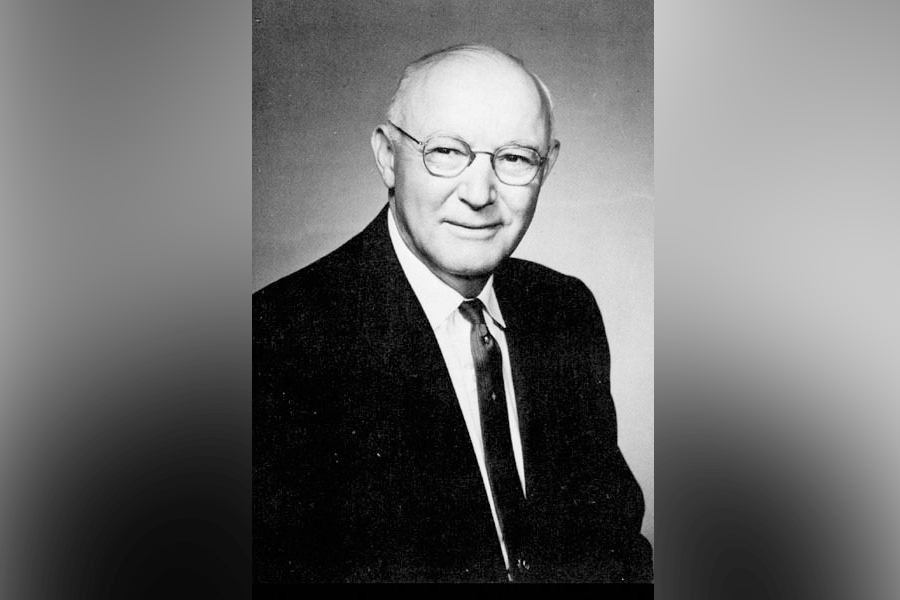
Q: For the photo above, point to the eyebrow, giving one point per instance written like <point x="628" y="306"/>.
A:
<point x="514" y="142"/>
<point x="524" y="143"/>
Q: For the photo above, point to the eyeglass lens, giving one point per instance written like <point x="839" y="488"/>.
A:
<point x="448" y="157"/>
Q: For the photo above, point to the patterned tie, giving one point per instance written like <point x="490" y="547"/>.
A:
<point x="498" y="452"/>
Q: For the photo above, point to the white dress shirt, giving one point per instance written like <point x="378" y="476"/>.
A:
<point x="441" y="305"/>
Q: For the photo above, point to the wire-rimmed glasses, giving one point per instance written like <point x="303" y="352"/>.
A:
<point x="448" y="156"/>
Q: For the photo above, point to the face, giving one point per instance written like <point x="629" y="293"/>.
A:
<point x="463" y="227"/>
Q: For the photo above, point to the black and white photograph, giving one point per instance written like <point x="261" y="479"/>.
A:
<point x="453" y="292"/>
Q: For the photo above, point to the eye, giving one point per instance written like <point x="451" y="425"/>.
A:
<point x="445" y="151"/>
<point x="518" y="157"/>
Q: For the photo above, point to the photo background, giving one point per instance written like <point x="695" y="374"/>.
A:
<point x="323" y="73"/>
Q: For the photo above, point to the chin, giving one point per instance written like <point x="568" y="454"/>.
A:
<point x="475" y="263"/>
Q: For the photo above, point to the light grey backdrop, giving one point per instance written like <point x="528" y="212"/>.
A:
<point x="323" y="71"/>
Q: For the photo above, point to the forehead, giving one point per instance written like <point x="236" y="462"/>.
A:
<point x="487" y="101"/>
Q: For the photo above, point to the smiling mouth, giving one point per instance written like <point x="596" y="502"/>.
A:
<point x="474" y="227"/>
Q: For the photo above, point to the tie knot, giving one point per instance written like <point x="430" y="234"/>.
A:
<point x="471" y="310"/>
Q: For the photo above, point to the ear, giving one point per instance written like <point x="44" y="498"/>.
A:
<point x="552" y="155"/>
<point x="384" y="155"/>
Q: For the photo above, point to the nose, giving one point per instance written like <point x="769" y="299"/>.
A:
<point x="478" y="183"/>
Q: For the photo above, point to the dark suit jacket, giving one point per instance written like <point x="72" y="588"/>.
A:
<point x="363" y="469"/>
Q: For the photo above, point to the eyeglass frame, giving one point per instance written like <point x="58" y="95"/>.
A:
<point x="472" y="153"/>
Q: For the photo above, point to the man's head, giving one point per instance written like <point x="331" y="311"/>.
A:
<point x="463" y="226"/>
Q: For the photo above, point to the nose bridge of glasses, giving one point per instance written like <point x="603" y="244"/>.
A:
<point x="477" y="185"/>
<point x="490" y="156"/>
<point x="473" y="154"/>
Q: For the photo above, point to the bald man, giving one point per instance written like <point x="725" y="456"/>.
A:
<point x="427" y="408"/>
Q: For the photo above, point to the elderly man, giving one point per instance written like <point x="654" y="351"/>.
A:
<point x="427" y="408"/>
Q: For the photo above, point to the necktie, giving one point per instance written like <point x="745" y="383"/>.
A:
<point x="498" y="453"/>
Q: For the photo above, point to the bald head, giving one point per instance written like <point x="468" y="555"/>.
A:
<point x="457" y="70"/>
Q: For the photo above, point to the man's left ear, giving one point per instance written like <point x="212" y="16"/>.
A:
<point x="552" y="155"/>
<point x="384" y="155"/>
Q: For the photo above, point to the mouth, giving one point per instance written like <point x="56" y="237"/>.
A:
<point x="474" y="226"/>
<point x="473" y="231"/>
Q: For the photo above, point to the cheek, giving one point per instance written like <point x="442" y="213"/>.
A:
<point x="424" y="191"/>
<point x="521" y="206"/>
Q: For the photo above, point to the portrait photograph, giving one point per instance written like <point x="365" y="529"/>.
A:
<point x="453" y="212"/>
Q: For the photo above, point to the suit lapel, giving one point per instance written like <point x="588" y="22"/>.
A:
<point x="433" y="427"/>
<point x="399" y="330"/>
<point x="527" y="353"/>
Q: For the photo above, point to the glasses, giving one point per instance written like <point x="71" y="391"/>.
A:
<point x="447" y="156"/>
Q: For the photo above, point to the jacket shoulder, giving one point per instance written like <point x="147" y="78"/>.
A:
<point x="317" y="277"/>
<point x="334" y="276"/>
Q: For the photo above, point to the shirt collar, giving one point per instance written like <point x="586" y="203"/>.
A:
<point x="438" y="299"/>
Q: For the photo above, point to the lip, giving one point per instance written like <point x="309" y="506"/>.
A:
<point x="474" y="226"/>
<point x="473" y="231"/>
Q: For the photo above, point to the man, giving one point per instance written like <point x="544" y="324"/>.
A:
<point x="425" y="407"/>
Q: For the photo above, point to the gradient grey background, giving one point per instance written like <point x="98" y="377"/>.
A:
<point x="125" y="261"/>
<point x="324" y="73"/>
